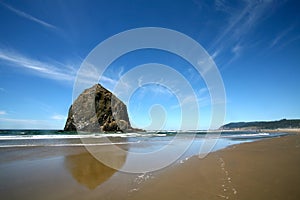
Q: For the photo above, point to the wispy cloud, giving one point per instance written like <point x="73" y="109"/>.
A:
<point x="289" y="41"/>
<point x="2" y="90"/>
<point x="236" y="51"/>
<point x="11" y="123"/>
<point x="106" y="79"/>
<point x="157" y="91"/>
<point x="29" y="17"/>
<point x="88" y="75"/>
<point x="58" y="117"/>
<point x="242" y="20"/>
<point x="215" y="54"/>
<point x="41" y="68"/>
<point x="201" y="98"/>
<point x="29" y="121"/>
<point x="21" y="123"/>
<point x="280" y="36"/>
<point x="193" y="102"/>
<point x="222" y="5"/>
<point x="111" y="77"/>
<point x="202" y="91"/>
<point x="2" y="112"/>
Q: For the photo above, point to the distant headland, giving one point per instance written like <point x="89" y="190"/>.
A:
<point x="263" y="125"/>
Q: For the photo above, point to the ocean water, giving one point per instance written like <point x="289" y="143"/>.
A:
<point x="142" y="142"/>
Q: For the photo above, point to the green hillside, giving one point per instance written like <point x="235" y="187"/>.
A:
<point x="284" y="123"/>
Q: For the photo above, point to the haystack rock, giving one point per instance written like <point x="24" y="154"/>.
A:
<point x="97" y="110"/>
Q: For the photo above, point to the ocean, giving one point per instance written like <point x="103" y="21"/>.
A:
<point x="151" y="141"/>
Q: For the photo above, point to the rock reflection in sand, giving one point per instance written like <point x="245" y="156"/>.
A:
<point x="90" y="172"/>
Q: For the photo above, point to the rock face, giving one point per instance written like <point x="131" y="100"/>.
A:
<point x="97" y="110"/>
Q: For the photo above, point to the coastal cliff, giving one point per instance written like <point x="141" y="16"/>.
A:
<point x="97" y="110"/>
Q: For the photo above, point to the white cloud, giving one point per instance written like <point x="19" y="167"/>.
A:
<point x="140" y="81"/>
<point x="2" y="112"/>
<point x="89" y="74"/>
<point x="58" y="117"/>
<point x="202" y="91"/>
<point x="41" y="68"/>
<point x="106" y="79"/>
<point x="121" y="71"/>
<point x="215" y="54"/>
<point x="29" y="121"/>
<point x="9" y="123"/>
<point x="237" y="51"/>
<point x="29" y="17"/>
<point x="161" y="90"/>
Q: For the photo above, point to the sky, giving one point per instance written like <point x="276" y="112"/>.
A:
<point x="254" y="44"/>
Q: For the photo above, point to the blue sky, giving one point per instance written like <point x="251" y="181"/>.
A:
<point x="255" y="45"/>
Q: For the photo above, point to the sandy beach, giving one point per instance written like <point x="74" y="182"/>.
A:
<point x="266" y="169"/>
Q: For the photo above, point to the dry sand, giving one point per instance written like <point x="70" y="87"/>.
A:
<point x="267" y="169"/>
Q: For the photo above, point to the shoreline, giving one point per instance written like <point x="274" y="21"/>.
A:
<point x="286" y="130"/>
<point x="264" y="169"/>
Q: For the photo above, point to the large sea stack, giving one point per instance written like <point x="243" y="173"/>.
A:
<point x="97" y="110"/>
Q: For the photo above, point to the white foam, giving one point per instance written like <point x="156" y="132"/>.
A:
<point x="35" y="137"/>
<point x="247" y="135"/>
<point x="80" y="136"/>
<point x="65" y="145"/>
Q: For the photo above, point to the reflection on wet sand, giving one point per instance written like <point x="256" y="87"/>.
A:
<point x="89" y="171"/>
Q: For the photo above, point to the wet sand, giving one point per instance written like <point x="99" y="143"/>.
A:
<point x="267" y="169"/>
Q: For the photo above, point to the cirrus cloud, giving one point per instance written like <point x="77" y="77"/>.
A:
<point x="2" y="112"/>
